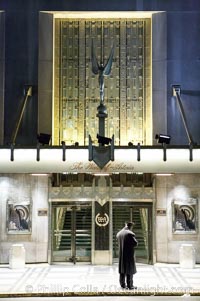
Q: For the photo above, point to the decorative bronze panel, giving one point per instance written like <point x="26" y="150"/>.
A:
<point x="78" y="88"/>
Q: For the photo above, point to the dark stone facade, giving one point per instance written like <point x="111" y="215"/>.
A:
<point x="21" y="58"/>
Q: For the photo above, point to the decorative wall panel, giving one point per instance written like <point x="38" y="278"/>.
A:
<point x="126" y="95"/>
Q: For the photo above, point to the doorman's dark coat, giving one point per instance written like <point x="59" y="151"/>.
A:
<point x="127" y="243"/>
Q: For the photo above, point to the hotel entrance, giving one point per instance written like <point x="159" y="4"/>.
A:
<point x="141" y="215"/>
<point x="71" y="230"/>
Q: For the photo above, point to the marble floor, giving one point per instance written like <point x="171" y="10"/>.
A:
<point x="90" y="280"/>
<point x="113" y="298"/>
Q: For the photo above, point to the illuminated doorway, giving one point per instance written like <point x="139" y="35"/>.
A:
<point x="141" y="215"/>
<point x="71" y="229"/>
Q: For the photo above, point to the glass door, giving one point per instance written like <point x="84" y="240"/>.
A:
<point x="141" y="215"/>
<point x="71" y="228"/>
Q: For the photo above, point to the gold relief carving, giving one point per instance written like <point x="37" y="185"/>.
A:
<point x="123" y="74"/>
<point x="102" y="191"/>
<point x="77" y="89"/>
<point x="81" y="79"/>
<point x="102" y="196"/>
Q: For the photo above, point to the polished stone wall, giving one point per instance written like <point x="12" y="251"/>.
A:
<point x="2" y="64"/>
<point x="17" y="189"/>
<point x="166" y="244"/>
<point x="169" y="188"/>
<point x="183" y="64"/>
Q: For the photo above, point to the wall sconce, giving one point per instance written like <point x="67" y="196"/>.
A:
<point x="103" y="140"/>
<point x="163" y="138"/>
<point x="44" y="138"/>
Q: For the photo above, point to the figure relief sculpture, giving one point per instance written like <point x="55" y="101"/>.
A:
<point x="101" y="69"/>
<point x="101" y="155"/>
